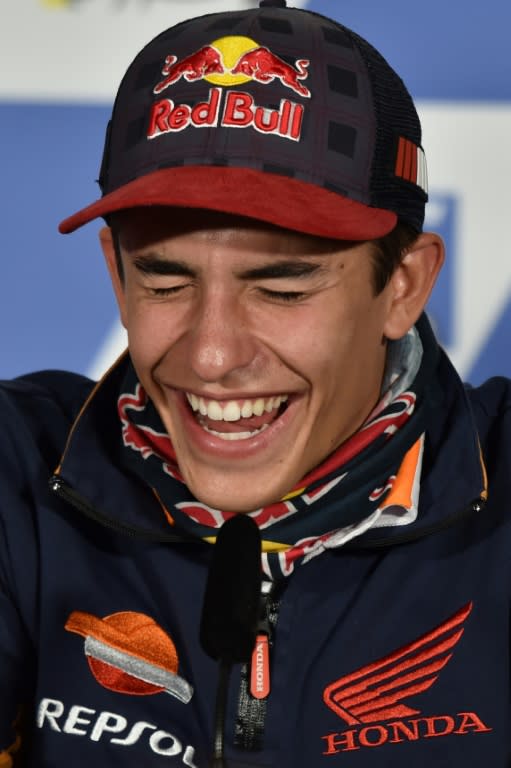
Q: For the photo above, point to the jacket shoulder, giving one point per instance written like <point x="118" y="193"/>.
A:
<point x="491" y="408"/>
<point x="37" y="410"/>
<point x="59" y="390"/>
<point x="491" y="402"/>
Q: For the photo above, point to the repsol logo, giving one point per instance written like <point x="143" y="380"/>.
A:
<point x="111" y="727"/>
<point x="400" y="731"/>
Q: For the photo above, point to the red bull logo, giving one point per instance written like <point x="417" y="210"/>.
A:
<point x="234" y="61"/>
<point x="204" y="62"/>
<point x="227" y="62"/>
<point x="263" y="66"/>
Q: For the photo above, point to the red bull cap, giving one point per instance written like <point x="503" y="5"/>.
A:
<point x="275" y="113"/>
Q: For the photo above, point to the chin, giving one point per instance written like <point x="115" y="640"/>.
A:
<point x="230" y="504"/>
<point x="228" y="501"/>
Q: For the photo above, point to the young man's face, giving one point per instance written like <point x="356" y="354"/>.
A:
<point x="261" y="349"/>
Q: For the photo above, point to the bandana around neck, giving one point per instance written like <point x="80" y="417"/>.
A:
<point x="371" y="480"/>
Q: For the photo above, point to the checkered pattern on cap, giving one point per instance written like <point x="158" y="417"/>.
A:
<point x="357" y="111"/>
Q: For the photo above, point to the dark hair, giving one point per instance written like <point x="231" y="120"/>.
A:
<point x="387" y="253"/>
<point x="117" y="249"/>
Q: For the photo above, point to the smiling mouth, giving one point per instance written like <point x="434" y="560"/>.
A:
<point x="236" y="419"/>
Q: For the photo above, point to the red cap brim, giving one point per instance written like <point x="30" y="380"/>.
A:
<point x="278" y="200"/>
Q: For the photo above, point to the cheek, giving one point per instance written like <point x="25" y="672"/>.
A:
<point x="344" y="348"/>
<point x="320" y="340"/>
<point x="150" y="333"/>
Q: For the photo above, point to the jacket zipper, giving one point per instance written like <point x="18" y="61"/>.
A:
<point x="69" y="495"/>
<point x="260" y="683"/>
<point x="366" y="542"/>
<point x="255" y="679"/>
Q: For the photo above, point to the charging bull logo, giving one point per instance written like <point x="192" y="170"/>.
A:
<point x="226" y="62"/>
<point x="198" y="65"/>
<point x="263" y="66"/>
<point x="129" y="653"/>
<point x="233" y="61"/>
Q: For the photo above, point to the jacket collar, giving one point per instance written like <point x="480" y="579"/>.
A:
<point x="93" y="466"/>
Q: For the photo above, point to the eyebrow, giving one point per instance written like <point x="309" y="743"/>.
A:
<point x="152" y="264"/>
<point x="281" y="269"/>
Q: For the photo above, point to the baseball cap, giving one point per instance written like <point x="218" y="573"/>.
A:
<point x="275" y="113"/>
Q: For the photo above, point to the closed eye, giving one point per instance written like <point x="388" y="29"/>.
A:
<point x="170" y="290"/>
<point x="284" y="296"/>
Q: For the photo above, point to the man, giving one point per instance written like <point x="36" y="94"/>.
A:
<point x="264" y="185"/>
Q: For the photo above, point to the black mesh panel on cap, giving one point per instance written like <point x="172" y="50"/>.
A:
<point x="342" y="81"/>
<point x="396" y="116"/>
<point x="280" y="26"/>
<point x="336" y="36"/>
<point x="341" y="138"/>
<point x="227" y="23"/>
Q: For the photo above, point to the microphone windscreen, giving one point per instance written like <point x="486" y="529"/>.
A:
<point x="230" y="609"/>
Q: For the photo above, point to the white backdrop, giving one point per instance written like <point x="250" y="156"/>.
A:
<point x="61" y="61"/>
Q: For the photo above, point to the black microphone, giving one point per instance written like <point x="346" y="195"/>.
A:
<point x="230" y="610"/>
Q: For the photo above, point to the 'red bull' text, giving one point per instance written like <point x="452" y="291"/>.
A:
<point x="237" y="110"/>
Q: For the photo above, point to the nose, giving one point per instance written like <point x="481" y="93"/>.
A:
<point x="221" y="346"/>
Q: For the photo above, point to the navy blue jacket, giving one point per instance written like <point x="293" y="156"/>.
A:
<point x="390" y="651"/>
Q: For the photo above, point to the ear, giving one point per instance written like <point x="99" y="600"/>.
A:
<point x="107" y="245"/>
<point x="411" y="283"/>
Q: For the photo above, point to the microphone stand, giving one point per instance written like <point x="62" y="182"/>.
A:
<point x="224" y="674"/>
<point x="230" y="611"/>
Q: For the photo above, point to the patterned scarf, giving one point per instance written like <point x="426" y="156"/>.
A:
<point x="370" y="480"/>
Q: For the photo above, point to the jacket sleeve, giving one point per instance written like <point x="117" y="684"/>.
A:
<point x="35" y="415"/>
<point x="16" y="662"/>
<point x="18" y="575"/>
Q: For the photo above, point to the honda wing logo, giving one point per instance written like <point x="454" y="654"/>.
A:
<point x="377" y="691"/>
<point x="374" y="700"/>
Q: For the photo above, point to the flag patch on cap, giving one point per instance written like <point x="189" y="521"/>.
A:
<point x="411" y="163"/>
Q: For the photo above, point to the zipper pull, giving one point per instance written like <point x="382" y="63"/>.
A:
<point x="260" y="664"/>
<point x="260" y="668"/>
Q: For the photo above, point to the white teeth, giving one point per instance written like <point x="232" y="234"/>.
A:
<point x="231" y="411"/>
<point x="215" y="411"/>
<point x="236" y="435"/>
